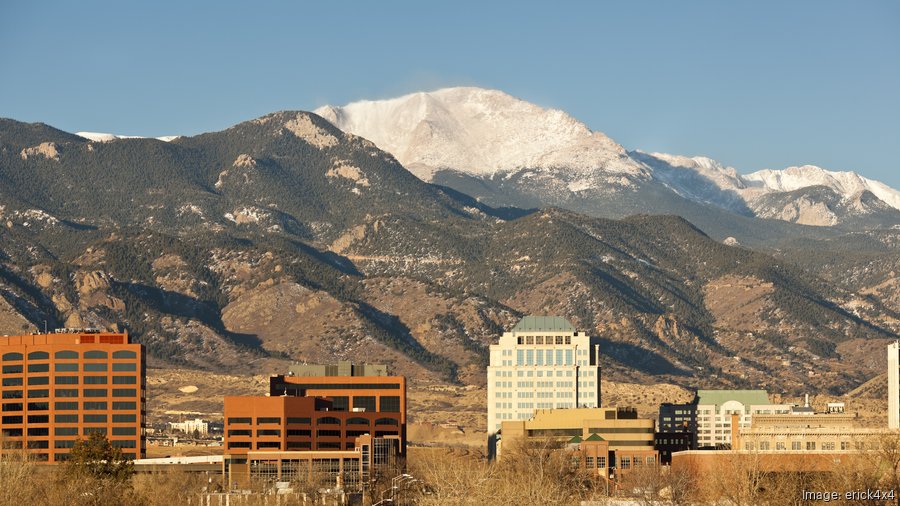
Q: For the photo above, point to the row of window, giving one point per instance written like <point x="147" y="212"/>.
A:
<point x="70" y="380"/>
<point x="325" y="420"/>
<point x="61" y="457"/>
<point x="70" y="431"/>
<point x="544" y="340"/>
<point x="808" y="445"/>
<point x="295" y="433"/>
<point x="70" y="406"/>
<point x="69" y="355"/>
<point x="67" y="418"/>
<point x="539" y="358"/>
<point x="297" y="445"/>
<point x="71" y="392"/>
<point x="71" y="367"/>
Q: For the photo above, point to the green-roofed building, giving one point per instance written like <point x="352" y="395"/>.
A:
<point x="543" y="323"/>
<point x="543" y="362"/>
<point x="709" y="416"/>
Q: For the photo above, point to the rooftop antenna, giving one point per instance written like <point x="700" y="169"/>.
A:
<point x="45" y="326"/>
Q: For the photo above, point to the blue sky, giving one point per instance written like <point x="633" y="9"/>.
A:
<point x="754" y="84"/>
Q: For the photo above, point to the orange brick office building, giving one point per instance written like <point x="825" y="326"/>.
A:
<point x="317" y="413"/>
<point x="57" y="388"/>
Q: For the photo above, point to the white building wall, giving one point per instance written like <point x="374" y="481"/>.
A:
<point x="529" y="376"/>
<point x="893" y="374"/>
<point x="714" y="424"/>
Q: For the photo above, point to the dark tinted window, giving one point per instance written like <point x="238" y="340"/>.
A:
<point x="95" y="354"/>
<point x="12" y="356"/>
<point x="38" y="355"/>
<point x="124" y="354"/>
<point x="66" y="354"/>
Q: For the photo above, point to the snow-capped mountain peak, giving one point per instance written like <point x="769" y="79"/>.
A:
<point x="479" y="132"/>
<point x="845" y="183"/>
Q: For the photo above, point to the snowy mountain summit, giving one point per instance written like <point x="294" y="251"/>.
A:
<point x="479" y="132"/>
<point x="508" y="152"/>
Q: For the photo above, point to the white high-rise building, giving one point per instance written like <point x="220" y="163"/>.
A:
<point x="542" y="363"/>
<point x="893" y="374"/>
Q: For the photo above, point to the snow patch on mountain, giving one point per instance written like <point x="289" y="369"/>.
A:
<point x="480" y="132"/>
<point x="104" y="137"/>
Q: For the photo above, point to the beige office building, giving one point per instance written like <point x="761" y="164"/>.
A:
<point x="602" y="438"/>
<point x="821" y="432"/>
<point x="542" y="363"/>
<point x="893" y="374"/>
<point x="716" y="407"/>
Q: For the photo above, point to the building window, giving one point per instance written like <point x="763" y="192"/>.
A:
<point x="601" y="462"/>
<point x="94" y="406"/>
<point x="796" y="445"/>
<point x="124" y="392"/>
<point x="589" y="462"/>
<point x="12" y="382"/>
<point x="66" y="406"/>
<point x="61" y="367"/>
<point x="124" y="354"/>
<point x="387" y="421"/>
<point x="240" y="421"/>
<point x="95" y="380"/>
<point x="9" y="357"/>
<point x="390" y="404"/>
<point x="828" y="445"/>
<point x="95" y="367"/>
<point x="65" y="431"/>
<point x="123" y="406"/>
<point x="625" y="462"/>
<point x="95" y="392"/>
<point x="124" y="367"/>
<point x="328" y="433"/>
<point x="94" y="419"/>
<point x="38" y="355"/>
<point x="810" y="445"/>
<point x="39" y="380"/>
<point x="364" y="402"/>
<point x="268" y="420"/>
<point x="779" y="445"/>
<point x="124" y="418"/>
<point x="124" y="380"/>
<point x="38" y="367"/>
<point x="95" y="354"/>
<point x="764" y="445"/>
<point x="66" y="380"/>
<point x="845" y="445"/>
<point x="268" y="432"/>
<point x="328" y="420"/>
<point x="298" y="421"/>
<point x="239" y="432"/>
